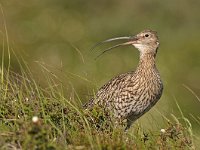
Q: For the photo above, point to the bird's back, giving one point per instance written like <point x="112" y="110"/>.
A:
<point x="109" y="91"/>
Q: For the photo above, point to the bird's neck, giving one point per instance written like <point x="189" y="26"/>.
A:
<point x="147" y="61"/>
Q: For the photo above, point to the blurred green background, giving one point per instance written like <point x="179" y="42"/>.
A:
<point x="60" y="33"/>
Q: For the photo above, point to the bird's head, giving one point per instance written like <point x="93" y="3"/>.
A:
<point x="145" y="41"/>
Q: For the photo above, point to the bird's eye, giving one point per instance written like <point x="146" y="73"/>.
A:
<point x="146" y="35"/>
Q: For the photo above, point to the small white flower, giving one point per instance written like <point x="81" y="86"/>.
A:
<point x="35" y="119"/>
<point x="162" y="130"/>
<point x="26" y="99"/>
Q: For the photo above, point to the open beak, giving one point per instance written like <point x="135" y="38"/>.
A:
<point x="130" y="41"/>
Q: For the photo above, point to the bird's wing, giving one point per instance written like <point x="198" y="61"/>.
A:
<point x="108" y="89"/>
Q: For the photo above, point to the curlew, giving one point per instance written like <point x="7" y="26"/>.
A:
<point x="128" y="96"/>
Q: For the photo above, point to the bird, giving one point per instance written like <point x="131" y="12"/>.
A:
<point x="130" y="95"/>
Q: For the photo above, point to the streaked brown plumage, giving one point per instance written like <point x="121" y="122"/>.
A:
<point x="130" y="95"/>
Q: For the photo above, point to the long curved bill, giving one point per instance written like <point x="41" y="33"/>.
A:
<point x="130" y="40"/>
